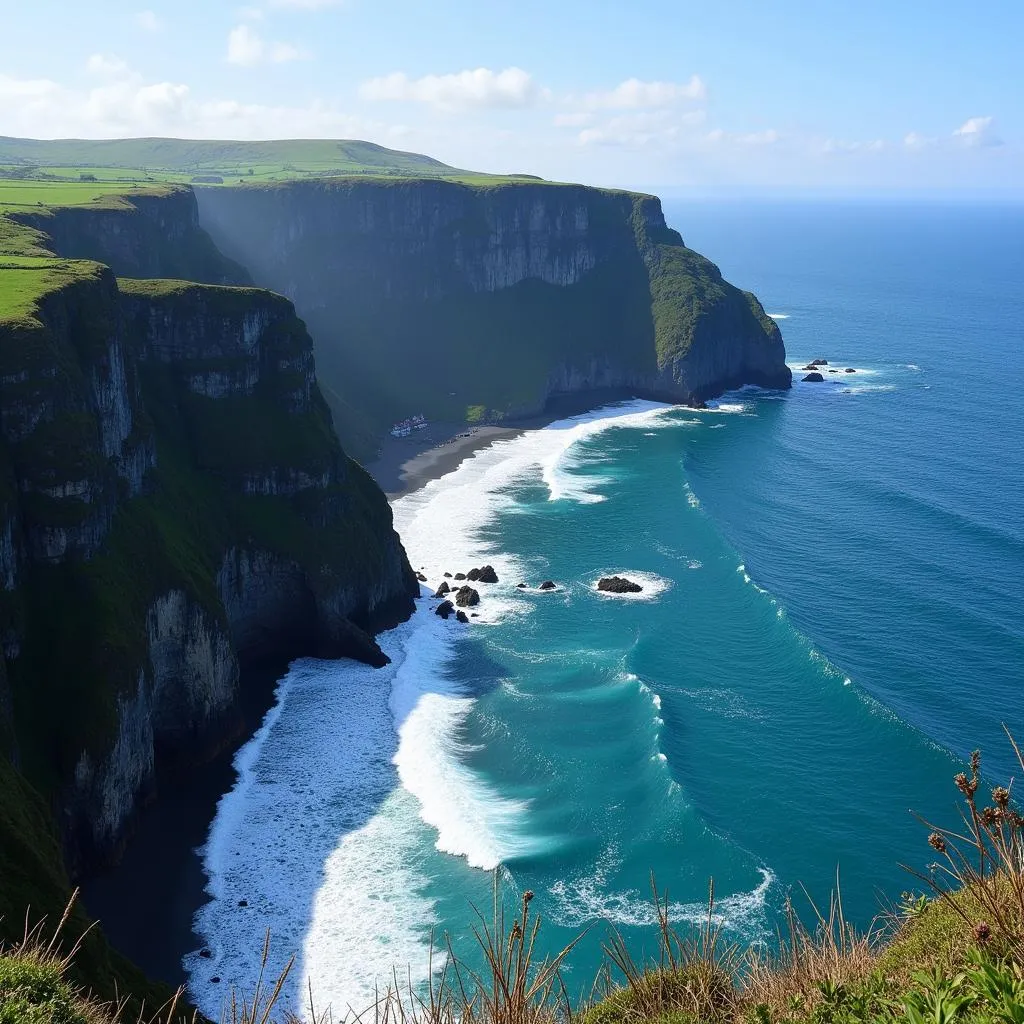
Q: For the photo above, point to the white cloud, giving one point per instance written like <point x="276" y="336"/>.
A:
<point x="481" y="87"/>
<point x="844" y="146"/>
<point x="977" y="132"/>
<point x="149" y="21"/>
<point x="247" y="48"/>
<point x="640" y="129"/>
<point x="127" y="106"/>
<point x="633" y="94"/>
<point x="102" y="65"/>
<point x="915" y="140"/>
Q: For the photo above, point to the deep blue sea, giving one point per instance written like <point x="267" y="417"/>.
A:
<point x="832" y="618"/>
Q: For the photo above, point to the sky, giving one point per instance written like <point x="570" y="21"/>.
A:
<point x="731" y="97"/>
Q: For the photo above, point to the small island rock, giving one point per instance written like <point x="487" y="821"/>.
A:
<point x="442" y="590"/>
<point x="547" y="585"/>
<point x="618" y="585"/>
<point x="819" y="362"/>
<point x="813" y="378"/>
<point x="444" y="609"/>
<point x="460" y="575"/>
<point x="485" y="574"/>
<point x="849" y="369"/>
<point x="421" y="577"/>
<point x="466" y="597"/>
<point x="461" y="616"/>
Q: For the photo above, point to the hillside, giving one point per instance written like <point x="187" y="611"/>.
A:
<point x="178" y="159"/>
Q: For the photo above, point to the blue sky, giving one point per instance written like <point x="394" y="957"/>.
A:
<point x="727" y="97"/>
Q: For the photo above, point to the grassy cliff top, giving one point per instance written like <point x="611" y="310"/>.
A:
<point x="29" y="269"/>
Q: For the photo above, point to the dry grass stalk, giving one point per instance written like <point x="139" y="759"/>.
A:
<point x="692" y="973"/>
<point x="986" y="859"/>
<point x="833" y="952"/>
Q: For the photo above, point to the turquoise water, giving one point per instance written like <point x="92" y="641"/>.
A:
<point x="831" y="618"/>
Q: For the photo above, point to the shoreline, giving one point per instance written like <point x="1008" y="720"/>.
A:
<point x="168" y="841"/>
<point x="406" y="464"/>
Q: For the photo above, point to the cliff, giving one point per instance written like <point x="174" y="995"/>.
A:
<point x="439" y="296"/>
<point x="173" y="502"/>
<point x="152" y="233"/>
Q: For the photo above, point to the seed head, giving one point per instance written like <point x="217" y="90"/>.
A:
<point x="966" y="786"/>
<point x="937" y="842"/>
<point x="982" y="933"/>
<point x="528" y="895"/>
<point x="988" y="816"/>
<point x="1001" y="796"/>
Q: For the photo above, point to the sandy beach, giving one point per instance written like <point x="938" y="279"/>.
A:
<point x="407" y="463"/>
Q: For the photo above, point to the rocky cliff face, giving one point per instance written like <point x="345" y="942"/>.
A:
<point x="173" y="502"/>
<point x="437" y="296"/>
<point x="150" y="234"/>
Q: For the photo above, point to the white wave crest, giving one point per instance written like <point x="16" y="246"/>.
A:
<point x="580" y="901"/>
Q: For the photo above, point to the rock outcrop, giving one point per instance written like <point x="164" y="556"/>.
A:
<point x="618" y="585"/>
<point x="812" y="378"/>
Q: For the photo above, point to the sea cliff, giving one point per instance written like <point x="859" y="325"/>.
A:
<point x="173" y="503"/>
<point x="443" y="297"/>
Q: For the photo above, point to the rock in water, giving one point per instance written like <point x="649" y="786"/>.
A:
<point x="849" y="369"/>
<point x="462" y="616"/>
<point x="485" y="574"/>
<point x="547" y="585"/>
<point x="421" y="577"/>
<point x="819" y="362"/>
<point x="813" y="378"/>
<point x="520" y="586"/>
<point x="444" y="609"/>
<point x="618" y="585"/>
<point x="442" y="590"/>
<point x="448" y="575"/>
<point x="466" y="597"/>
<point x="460" y="575"/>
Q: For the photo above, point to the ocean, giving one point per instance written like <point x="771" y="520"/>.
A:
<point x="831" y="619"/>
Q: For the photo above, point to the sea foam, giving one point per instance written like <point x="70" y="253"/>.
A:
<point x="318" y="839"/>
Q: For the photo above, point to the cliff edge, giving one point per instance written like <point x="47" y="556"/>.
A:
<point x="444" y="297"/>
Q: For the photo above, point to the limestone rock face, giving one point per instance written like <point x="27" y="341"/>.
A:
<point x="576" y="290"/>
<point x="173" y="505"/>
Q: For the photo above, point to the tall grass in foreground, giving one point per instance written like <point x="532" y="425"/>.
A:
<point x="954" y="955"/>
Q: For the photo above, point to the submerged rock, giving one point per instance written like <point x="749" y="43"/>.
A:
<point x="444" y="609"/>
<point x="813" y="378"/>
<point x="466" y="597"/>
<point x="485" y="574"/>
<point x="618" y="585"/>
<point x="521" y="586"/>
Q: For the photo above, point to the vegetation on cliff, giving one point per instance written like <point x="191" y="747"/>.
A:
<point x="157" y="438"/>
